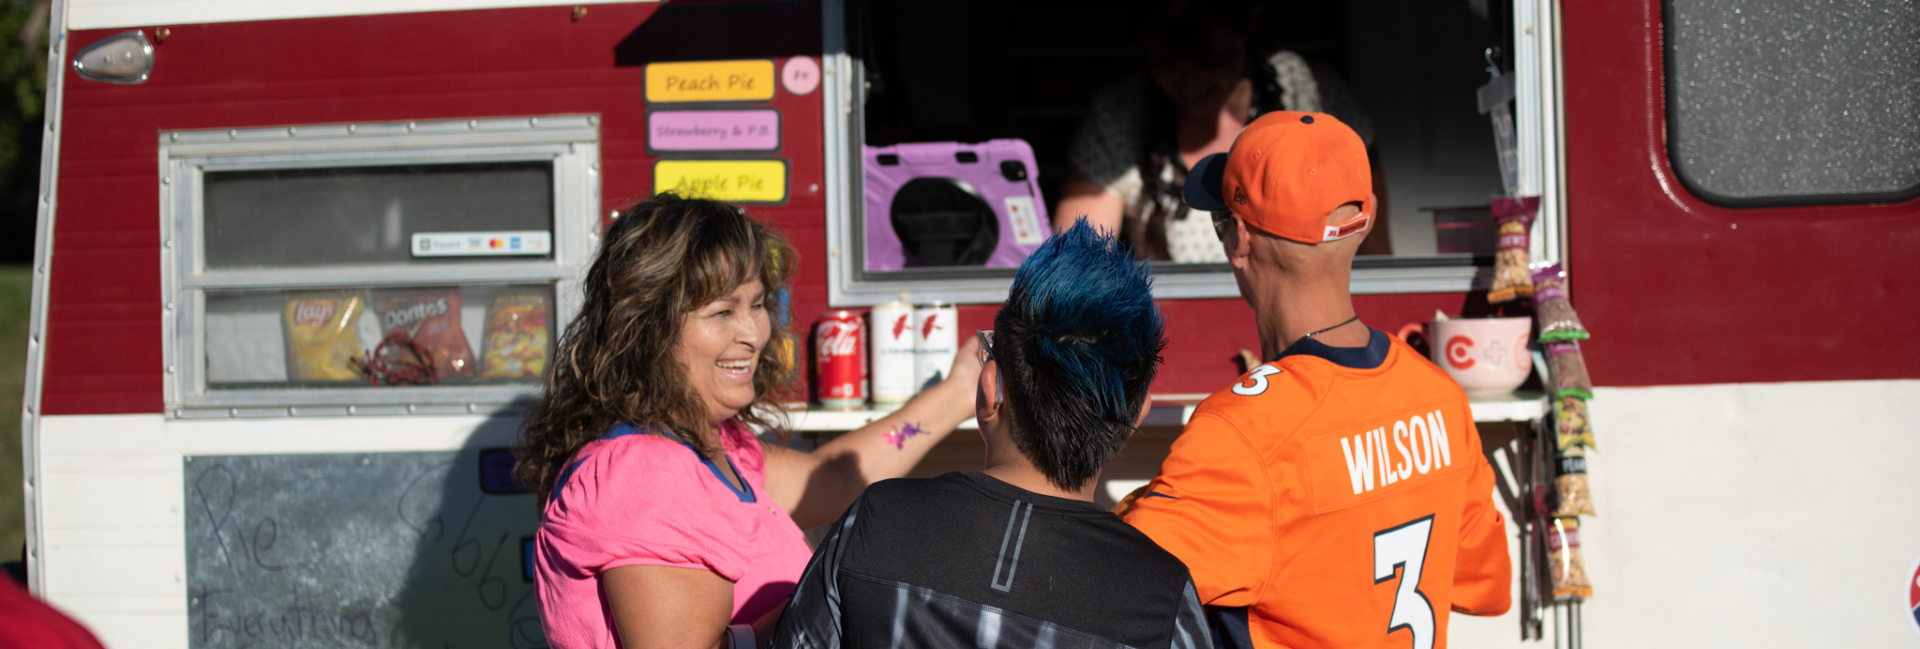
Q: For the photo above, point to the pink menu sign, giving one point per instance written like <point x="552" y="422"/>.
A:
<point x="713" y="130"/>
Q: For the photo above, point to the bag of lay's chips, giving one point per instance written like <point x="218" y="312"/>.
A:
<point x="431" y="317"/>
<point x="321" y="337"/>
<point x="517" y="337"/>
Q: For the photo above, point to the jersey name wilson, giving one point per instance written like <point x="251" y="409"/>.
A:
<point x="1359" y="463"/>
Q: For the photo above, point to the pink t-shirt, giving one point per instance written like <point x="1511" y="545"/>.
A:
<point x="633" y="498"/>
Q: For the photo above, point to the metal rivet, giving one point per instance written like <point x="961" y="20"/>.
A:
<point x="834" y="252"/>
<point x="232" y="134"/>
<point x="595" y="166"/>
<point x="290" y="131"/>
<point x="35" y="553"/>
<point x="178" y="413"/>
<point x="593" y="119"/>
<point x="169" y="306"/>
<point x="292" y="411"/>
<point x="533" y="121"/>
<point x="29" y="481"/>
<point x="194" y="601"/>
<point x="409" y="409"/>
<point x="813" y="187"/>
<point x="233" y="412"/>
<point x="613" y="214"/>
<point x="473" y="124"/>
<point x="167" y="244"/>
<point x="166" y="180"/>
<point x="351" y="128"/>
<point x="409" y="127"/>
<point x="169" y="369"/>
<point x="350" y="410"/>
<point x="29" y="410"/>
<point x="173" y="136"/>
<point x="469" y="407"/>
<point x="364" y="461"/>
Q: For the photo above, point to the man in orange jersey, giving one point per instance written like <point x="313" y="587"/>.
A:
<point x="1336" y="496"/>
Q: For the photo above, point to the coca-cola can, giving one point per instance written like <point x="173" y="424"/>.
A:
<point x="936" y="338"/>
<point x="840" y="360"/>
<point x="891" y="353"/>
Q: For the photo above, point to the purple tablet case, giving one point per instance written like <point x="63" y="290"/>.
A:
<point x="952" y="204"/>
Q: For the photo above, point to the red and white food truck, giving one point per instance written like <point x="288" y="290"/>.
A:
<point x="241" y="196"/>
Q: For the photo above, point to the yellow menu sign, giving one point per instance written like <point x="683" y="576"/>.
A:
<point x="747" y="181"/>
<point x="750" y="80"/>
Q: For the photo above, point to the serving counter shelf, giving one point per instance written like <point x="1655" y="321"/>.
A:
<point x="1171" y="410"/>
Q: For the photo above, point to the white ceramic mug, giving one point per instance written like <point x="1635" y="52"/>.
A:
<point x="1486" y="356"/>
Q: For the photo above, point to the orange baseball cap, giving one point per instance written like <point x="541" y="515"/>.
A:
<point x="1285" y="173"/>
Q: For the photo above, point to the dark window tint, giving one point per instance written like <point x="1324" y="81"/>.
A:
<point x="366" y="215"/>
<point x="1785" y="102"/>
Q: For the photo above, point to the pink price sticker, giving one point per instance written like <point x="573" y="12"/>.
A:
<point x="801" y="75"/>
<point x="713" y="130"/>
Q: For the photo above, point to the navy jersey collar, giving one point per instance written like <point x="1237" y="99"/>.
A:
<point x="1358" y="358"/>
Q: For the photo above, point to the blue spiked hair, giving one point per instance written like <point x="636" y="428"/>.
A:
<point x="1078" y="343"/>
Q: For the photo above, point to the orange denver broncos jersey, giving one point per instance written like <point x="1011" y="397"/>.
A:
<point x="1338" y="496"/>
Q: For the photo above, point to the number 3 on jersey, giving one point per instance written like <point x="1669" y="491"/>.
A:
<point x="1404" y="546"/>
<point x="1255" y="383"/>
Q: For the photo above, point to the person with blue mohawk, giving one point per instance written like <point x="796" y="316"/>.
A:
<point x="1018" y="554"/>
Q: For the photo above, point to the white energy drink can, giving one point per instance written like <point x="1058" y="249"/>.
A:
<point x="936" y="338"/>
<point x="890" y="337"/>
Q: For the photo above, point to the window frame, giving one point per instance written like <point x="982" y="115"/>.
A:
<point x="1538" y="123"/>
<point x="570" y="142"/>
<point x="1680" y="137"/>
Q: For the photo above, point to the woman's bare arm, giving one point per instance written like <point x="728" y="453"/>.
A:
<point x="1080" y="196"/>
<point x="662" y="607"/>
<point x="815" y="488"/>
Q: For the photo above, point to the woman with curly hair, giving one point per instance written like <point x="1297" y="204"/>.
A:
<point x="665" y="520"/>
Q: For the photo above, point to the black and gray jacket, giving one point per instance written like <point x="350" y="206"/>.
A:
<point x="965" y="560"/>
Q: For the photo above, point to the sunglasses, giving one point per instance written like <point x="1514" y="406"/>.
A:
<point x="986" y="354"/>
<point x="1222" y="224"/>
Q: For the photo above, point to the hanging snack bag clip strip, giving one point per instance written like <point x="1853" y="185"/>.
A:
<point x="1510" y="279"/>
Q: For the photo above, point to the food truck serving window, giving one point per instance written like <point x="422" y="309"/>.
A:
<point x="372" y="268"/>
<point x="972" y="127"/>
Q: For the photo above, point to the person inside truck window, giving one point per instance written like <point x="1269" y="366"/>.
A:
<point x="1129" y="159"/>
<point x="1018" y="555"/>
<point x="666" y="521"/>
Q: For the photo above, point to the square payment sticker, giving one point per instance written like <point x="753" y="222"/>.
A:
<point x="482" y="244"/>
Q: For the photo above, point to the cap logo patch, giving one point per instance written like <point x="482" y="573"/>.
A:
<point x="1346" y="229"/>
<point x="1239" y="194"/>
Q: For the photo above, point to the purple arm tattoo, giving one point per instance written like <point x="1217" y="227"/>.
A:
<point x="899" y="437"/>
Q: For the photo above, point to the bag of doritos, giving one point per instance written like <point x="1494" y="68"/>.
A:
<point x="431" y="317"/>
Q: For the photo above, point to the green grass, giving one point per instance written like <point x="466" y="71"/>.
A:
<point x="16" y="291"/>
